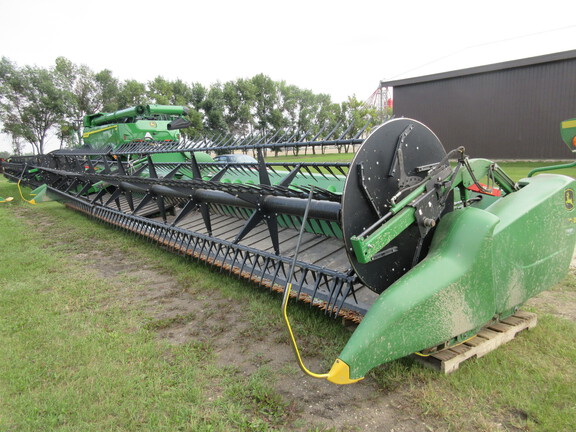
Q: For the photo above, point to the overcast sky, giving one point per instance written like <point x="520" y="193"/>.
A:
<point x="342" y="48"/>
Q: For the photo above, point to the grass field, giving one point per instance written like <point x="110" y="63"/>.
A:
<point x="516" y="170"/>
<point x="103" y="331"/>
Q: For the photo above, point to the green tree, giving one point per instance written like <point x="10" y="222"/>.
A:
<point x="267" y="113"/>
<point x="80" y="92"/>
<point x="213" y="107"/>
<point x="164" y="92"/>
<point x="290" y="102"/>
<point x="17" y="145"/>
<point x="238" y="102"/>
<point x="34" y="100"/>
<point x="67" y="134"/>
<point x="198" y="94"/>
<point x="108" y="91"/>
<point x="132" y="93"/>
<point x="357" y="114"/>
<point x="181" y="93"/>
<point x="30" y="103"/>
<point x="160" y="91"/>
<point x="197" y="124"/>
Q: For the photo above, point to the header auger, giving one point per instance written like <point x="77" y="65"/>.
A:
<point x="419" y="246"/>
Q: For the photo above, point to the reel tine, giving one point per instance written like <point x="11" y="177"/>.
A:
<point x="151" y="168"/>
<point x="188" y="207"/>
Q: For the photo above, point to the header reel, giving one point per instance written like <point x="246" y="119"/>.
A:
<point x="397" y="158"/>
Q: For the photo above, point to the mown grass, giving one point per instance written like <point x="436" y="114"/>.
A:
<point x="76" y="356"/>
<point x="308" y="157"/>
<point x="516" y="170"/>
<point x="528" y="384"/>
<point x="69" y="363"/>
<point x="519" y="170"/>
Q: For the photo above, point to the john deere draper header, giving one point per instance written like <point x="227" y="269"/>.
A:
<point x="419" y="246"/>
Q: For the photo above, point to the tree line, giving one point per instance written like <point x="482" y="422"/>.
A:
<point x="36" y="102"/>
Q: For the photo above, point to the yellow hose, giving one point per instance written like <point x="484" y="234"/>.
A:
<point x="32" y="201"/>
<point x="444" y="349"/>
<point x="293" y="339"/>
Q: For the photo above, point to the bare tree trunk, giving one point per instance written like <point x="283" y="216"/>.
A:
<point x="35" y="149"/>
<point x="16" y="146"/>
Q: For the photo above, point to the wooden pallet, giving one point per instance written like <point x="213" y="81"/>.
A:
<point x="488" y="339"/>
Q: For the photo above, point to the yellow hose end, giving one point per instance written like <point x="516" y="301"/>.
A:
<point x="340" y="373"/>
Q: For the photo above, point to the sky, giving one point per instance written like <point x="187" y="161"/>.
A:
<point x="341" y="48"/>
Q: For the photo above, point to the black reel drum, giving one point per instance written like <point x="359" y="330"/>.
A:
<point x="396" y="156"/>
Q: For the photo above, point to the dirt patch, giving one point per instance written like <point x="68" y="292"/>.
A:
<point x="561" y="300"/>
<point x="182" y="317"/>
<point x="357" y="407"/>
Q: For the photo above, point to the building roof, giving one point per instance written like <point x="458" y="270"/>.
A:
<point x="548" y="58"/>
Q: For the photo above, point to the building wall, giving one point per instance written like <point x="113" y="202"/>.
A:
<point x="504" y="114"/>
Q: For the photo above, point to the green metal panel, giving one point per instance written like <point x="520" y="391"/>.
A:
<point x="449" y="293"/>
<point x="366" y="248"/>
<point x="534" y="243"/>
<point x="171" y="110"/>
<point x="250" y="175"/>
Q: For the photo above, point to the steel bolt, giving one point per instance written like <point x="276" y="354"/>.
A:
<point x="430" y="223"/>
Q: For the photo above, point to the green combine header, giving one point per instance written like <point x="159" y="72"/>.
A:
<point x="420" y="246"/>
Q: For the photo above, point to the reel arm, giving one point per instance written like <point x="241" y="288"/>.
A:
<point x="423" y="206"/>
<point x="425" y="203"/>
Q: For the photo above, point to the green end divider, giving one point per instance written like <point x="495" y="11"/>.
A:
<point x="40" y="194"/>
